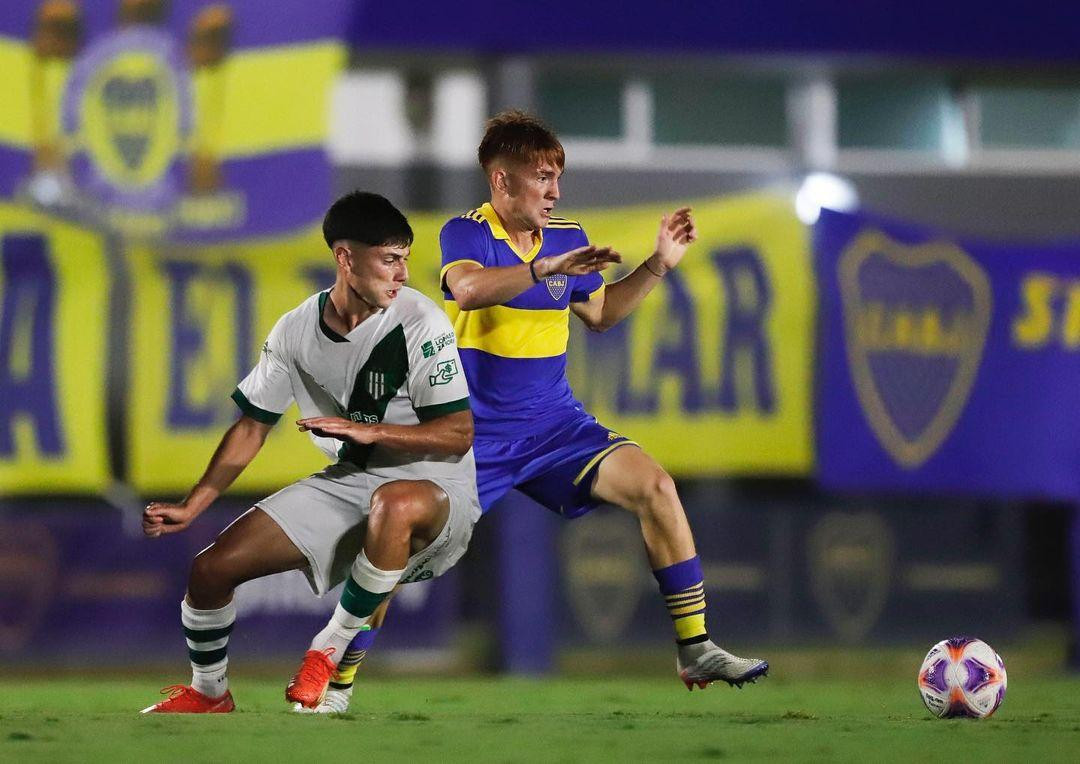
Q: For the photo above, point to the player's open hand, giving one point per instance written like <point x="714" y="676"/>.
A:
<point x="578" y="262"/>
<point x="338" y="427"/>
<point x="677" y="233"/>
<point x="160" y="518"/>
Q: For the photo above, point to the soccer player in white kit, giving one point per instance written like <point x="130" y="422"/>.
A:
<point x="374" y="368"/>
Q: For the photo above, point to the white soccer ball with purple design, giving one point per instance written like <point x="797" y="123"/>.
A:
<point x="962" y="676"/>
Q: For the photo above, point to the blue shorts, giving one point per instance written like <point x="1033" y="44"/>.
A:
<point x="554" y="468"/>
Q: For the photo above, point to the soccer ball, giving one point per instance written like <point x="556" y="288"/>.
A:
<point x="962" y="676"/>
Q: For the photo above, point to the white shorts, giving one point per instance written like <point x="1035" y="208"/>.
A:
<point x="325" y="516"/>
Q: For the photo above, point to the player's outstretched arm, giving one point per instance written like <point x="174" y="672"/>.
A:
<point x="609" y="307"/>
<point x="476" y="287"/>
<point x="448" y="435"/>
<point x="237" y="448"/>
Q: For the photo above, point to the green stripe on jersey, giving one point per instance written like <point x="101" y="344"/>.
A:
<point x="378" y="380"/>
<point x="427" y="413"/>
<point x="251" y="410"/>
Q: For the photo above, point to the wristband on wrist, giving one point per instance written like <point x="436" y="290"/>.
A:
<point x="532" y="271"/>
<point x="645" y="262"/>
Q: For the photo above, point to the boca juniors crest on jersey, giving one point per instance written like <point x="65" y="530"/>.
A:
<point x="556" y="285"/>
<point x="916" y="321"/>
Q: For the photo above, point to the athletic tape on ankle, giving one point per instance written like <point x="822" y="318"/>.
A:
<point x="193" y="618"/>
<point x="373" y="579"/>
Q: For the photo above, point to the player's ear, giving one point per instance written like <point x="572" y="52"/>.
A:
<point x="500" y="180"/>
<point x="342" y="254"/>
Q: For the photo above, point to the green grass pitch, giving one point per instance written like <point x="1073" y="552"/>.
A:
<point x="517" y="720"/>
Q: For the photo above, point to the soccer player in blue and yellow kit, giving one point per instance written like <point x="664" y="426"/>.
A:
<point x="512" y="274"/>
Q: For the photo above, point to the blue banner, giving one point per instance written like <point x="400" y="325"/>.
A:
<point x="947" y="365"/>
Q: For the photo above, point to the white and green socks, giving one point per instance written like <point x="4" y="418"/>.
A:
<point x="365" y="589"/>
<point x="207" y="633"/>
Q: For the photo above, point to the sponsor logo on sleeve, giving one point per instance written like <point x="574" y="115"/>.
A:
<point x="433" y="346"/>
<point x="444" y="372"/>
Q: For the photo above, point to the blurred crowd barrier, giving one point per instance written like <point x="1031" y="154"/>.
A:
<point x="82" y="587"/>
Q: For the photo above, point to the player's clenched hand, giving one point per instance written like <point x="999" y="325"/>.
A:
<point x="578" y="262"/>
<point x="677" y="232"/>
<point x="338" y="427"/>
<point x="161" y="517"/>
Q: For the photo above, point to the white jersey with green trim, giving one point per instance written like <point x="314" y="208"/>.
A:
<point x="398" y="366"/>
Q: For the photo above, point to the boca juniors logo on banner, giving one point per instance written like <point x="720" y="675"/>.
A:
<point x="127" y="110"/>
<point x="915" y="321"/>
<point x="945" y="364"/>
<point x="181" y="118"/>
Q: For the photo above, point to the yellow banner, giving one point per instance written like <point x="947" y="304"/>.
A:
<point x="54" y="296"/>
<point x="712" y="373"/>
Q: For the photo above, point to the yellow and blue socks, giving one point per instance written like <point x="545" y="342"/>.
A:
<point x="683" y="587"/>
<point x="355" y="653"/>
<point x="365" y="589"/>
<point x="207" y="633"/>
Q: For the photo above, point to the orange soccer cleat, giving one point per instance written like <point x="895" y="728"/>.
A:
<point x="187" y="700"/>
<point x="308" y="685"/>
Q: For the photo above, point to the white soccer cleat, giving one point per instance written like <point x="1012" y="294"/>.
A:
<point x="335" y="702"/>
<point x="705" y="662"/>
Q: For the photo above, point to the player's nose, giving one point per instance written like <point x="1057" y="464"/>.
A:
<point x="553" y="192"/>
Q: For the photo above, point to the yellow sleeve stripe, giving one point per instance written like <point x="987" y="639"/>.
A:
<point x="597" y="291"/>
<point x="511" y="332"/>
<point x="567" y="226"/>
<point x="448" y="266"/>
<point x="275" y="98"/>
<point x="596" y="459"/>
<point x="474" y="215"/>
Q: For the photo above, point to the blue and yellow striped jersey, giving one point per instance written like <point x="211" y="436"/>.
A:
<point x="514" y="354"/>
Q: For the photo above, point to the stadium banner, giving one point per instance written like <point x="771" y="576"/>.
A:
<point x="54" y="288"/>
<point x="712" y="373"/>
<point x="91" y="559"/>
<point x="947" y="364"/>
<point x="184" y="119"/>
<point x="720" y="353"/>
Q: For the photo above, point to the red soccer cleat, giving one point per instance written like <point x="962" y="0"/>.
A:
<point x="308" y="686"/>
<point x="187" y="700"/>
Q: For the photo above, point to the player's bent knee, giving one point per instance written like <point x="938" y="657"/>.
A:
<point x="211" y="576"/>
<point x="407" y="506"/>
<point x="395" y="505"/>
<point x="654" y="493"/>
